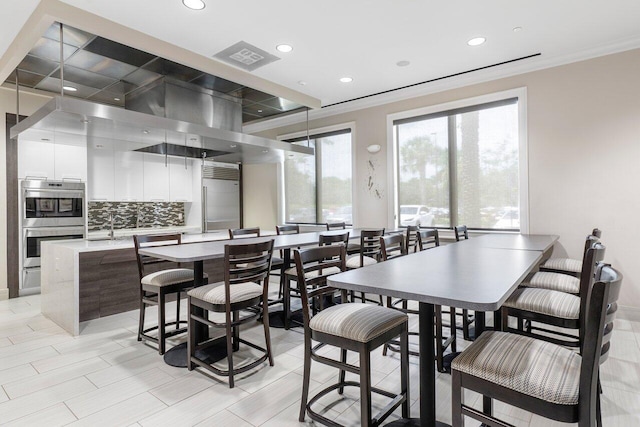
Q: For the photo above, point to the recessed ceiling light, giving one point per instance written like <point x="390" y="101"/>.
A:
<point x="402" y="63"/>
<point x="145" y="131"/>
<point x="476" y="41"/>
<point x="84" y="121"/>
<point x="346" y="79"/>
<point x="259" y="111"/>
<point x="116" y="99"/>
<point x="194" y="4"/>
<point x="284" y="48"/>
<point x="302" y="83"/>
<point x="69" y="88"/>
<point x="265" y="151"/>
<point x="233" y="146"/>
<point x="517" y="29"/>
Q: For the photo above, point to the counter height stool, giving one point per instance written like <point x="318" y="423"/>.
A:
<point x="537" y="376"/>
<point x="154" y="288"/>
<point x="412" y="238"/>
<point x="352" y="248"/>
<point x="568" y="265"/>
<point x="242" y="297"/>
<point x="368" y="254"/>
<point x="350" y="327"/>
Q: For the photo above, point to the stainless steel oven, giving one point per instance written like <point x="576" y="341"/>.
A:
<point x="51" y="210"/>
<point x="52" y="203"/>
<point x="32" y="238"/>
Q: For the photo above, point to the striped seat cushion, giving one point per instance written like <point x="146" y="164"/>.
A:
<point x="533" y="367"/>
<point x="563" y="264"/>
<point x="357" y="322"/>
<point x="215" y="292"/>
<point x="325" y="272"/>
<point x="555" y="282"/>
<point x="354" y="261"/>
<point x="544" y="301"/>
<point x="171" y="276"/>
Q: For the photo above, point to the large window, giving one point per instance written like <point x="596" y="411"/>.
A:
<point x="317" y="189"/>
<point x="460" y="166"/>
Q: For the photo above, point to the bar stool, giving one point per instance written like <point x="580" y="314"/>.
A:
<point x="568" y="265"/>
<point x="412" y="238"/>
<point x="350" y="327"/>
<point x="462" y="233"/>
<point x="368" y="254"/>
<point x="154" y="288"/>
<point x="242" y="297"/>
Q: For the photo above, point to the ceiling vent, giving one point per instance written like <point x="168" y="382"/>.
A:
<point x="245" y="56"/>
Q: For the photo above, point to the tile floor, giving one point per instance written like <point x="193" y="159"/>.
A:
<point x="106" y="377"/>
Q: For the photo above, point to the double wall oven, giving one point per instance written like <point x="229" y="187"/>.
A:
<point x="51" y="210"/>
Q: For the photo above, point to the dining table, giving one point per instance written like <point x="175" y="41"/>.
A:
<point x="197" y="253"/>
<point x="477" y="274"/>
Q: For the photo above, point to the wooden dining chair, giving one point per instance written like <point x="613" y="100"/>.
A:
<point x="235" y="233"/>
<point x="567" y="282"/>
<point x="462" y="233"/>
<point x="350" y="327"/>
<point x="157" y="285"/>
<point x="411" y="238"/>
<point x="242" y="297"/>
<point x="368" y="254"/>
<point x="537" y="376"/>
<point x="570" y="266"/>
<point x="428" y="239"/>
<point x="392" y="246"/>
<point x="336" y="226"/>
<point x="280" y="231"/>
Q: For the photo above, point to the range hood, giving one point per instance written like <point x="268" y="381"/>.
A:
<point x="75" y="117"/>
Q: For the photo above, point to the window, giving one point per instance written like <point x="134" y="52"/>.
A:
<point x="460" y="166"/>
<point x="317" y="189"/>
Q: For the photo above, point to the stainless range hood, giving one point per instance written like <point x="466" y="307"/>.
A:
<point x="83" y="118"/>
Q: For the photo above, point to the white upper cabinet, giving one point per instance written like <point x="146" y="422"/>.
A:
<point x="101" y="170"/>
<point x="129" y="176"/>
<point x="47" y="155"/>
<point x="156" y="178"/>
<point x="35" y="160"/>
<point x="180" y="179"/>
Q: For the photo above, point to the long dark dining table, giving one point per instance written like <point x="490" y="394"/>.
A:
<point x="476" y="275"/>
<point x="197" y="253"/>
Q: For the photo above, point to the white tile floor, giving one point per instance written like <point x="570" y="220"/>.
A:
<point x="106" y="377"/>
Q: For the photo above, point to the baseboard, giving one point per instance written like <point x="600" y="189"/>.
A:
<point x="629" y="313"/>
<point x="4" y="294"/>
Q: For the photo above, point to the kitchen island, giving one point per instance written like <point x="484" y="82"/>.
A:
<point x="87" y="279"/>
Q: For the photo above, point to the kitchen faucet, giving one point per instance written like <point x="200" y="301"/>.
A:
<point x="110" y="219"/>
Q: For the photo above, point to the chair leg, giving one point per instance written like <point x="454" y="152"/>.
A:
<point x="342" y="372"/>
<point x="599" y="403"/>
<point x="386" y="346"/>
<point x="505" y="320"/>
<point x="456" y="400"/>
<point x="453" y="330"/>
<point x="465" y="325"/>
<point x="286" y="301"/>
<point x="178" y="311"/>
<point x="265" y="324"/>
<point x="191" y="335"/>
<point x="487" y="405"/>
<point x="305" y="379"/>
<point x="365" y="387"/>
<point x="143" y="307"/>
<point x="404" y="372"/>
<point x="236" y="332"/>
<point x="230" y="332"/>
<point x="439" y="348"/>
<point x="161" y="323"/>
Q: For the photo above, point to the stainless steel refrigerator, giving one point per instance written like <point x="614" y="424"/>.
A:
<point x="220" y="197"/>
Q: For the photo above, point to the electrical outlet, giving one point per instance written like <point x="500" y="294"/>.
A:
<point x="180" y="216"/>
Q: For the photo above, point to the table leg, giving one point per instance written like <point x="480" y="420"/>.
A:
<point x="480" y="317"/>
<point x="427" y="373"/>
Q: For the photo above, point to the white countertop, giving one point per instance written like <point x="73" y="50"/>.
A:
<point x="128" y="232"/>
<point x="124" y="241"/>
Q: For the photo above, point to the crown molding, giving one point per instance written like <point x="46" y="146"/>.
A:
<point x="481" y="76"/>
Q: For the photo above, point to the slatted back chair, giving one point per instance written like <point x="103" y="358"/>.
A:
<point x="336" y="226"/>
<point x="571" y="266"/>
<point x="411" y="239"/>
<point x="330" y="239"/>
<point x="236" y="233"/>
<point x="392" y="246"/>
<point x="428" y="239"/>
<point x="555" y="308"/>
<point x="369" y="249"/>
<point x="155" y="286"/>
<point x="288" y="229"/>
<point x="349" y="326"/>
<point x="461" y="232"/>
<point x="243" y="297"/>
<point x="551" y="381"/>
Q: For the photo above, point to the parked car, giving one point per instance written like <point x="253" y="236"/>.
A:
<point x="509" y="220"/>
<point x="415" y="215"/>
<point x="342" y="214"/>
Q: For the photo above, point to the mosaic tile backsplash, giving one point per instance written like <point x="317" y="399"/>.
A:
<point x="132" y="214"/>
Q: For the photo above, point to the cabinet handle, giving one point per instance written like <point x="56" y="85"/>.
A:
<point x="40" y="177"/>
<point x="99" y="199"/>
<point x="66" y="178"/>
<point x="157" y="200"/>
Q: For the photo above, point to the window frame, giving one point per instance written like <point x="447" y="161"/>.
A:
<point x="351" y="128"/>
<point x="523" y="170"/>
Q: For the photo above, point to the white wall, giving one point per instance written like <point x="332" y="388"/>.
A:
<point x="260" y="196"/>
<point x="28" y="104"/>
<point x="584" y="151"/>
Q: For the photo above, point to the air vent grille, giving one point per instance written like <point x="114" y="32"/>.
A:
<point x="219" y="172"/>
<point x="245" y="56"/>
